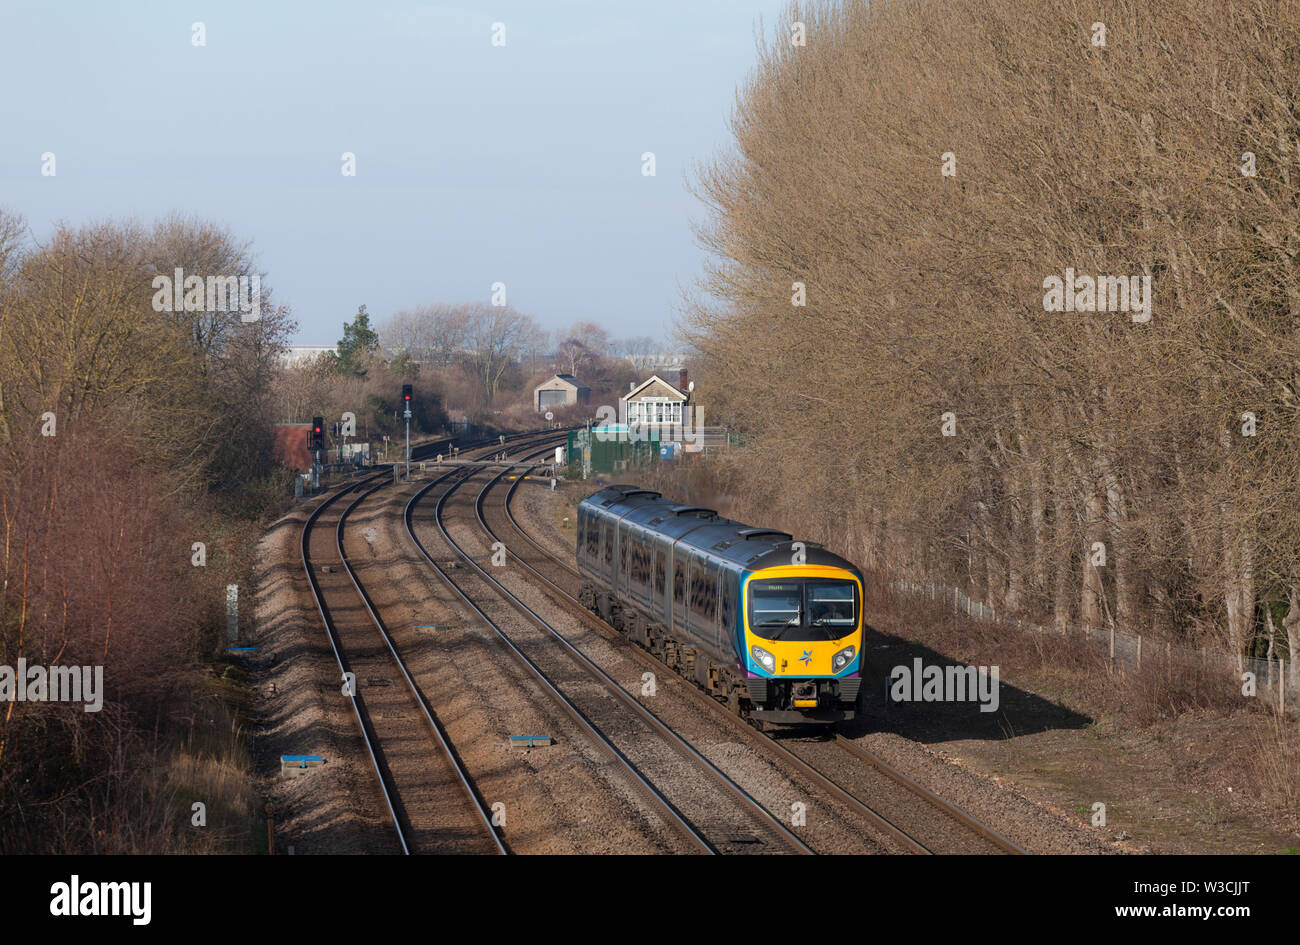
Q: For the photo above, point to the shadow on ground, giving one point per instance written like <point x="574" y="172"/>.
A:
<point x="1018" y="712"/>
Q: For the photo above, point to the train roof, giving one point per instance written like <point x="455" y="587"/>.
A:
<point x="702" y="528"/>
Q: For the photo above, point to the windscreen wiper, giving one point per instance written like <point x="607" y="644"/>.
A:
<point x="820" y="623"/>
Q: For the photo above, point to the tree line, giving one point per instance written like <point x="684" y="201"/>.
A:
<point x="135" y="462"/>
<point x="912" y="195"/>
<point x="471" y="359"/>
<point x="139" y="391"/>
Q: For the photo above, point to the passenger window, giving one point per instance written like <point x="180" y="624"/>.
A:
<point x="661" y="571"/>
<point x="641" y="563"/>
<point x="609" y="544"/>
<point x="679" y="582"/>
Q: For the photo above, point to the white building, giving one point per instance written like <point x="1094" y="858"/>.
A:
<point x="656" y="401"/>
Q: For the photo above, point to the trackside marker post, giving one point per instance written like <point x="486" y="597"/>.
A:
<point x="530" y="741"/>
<point x="292" y="766"/>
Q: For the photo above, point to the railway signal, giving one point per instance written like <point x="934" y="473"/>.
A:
<point x="316" y="443"/>
<point x="406" y="403"/>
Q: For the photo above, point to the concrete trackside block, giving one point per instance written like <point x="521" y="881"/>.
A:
<point x="531" y="741"/>
<point x="293" y="766"/>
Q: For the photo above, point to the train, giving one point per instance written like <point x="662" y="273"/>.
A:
<point x="768" y="625"/>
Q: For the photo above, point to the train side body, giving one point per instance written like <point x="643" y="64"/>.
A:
<point x="770" y="625"/>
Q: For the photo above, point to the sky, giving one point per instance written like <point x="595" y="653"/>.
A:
<point x="475" y="163"/>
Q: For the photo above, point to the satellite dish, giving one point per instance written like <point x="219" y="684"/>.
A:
<point x="690" y="387"/>
<point x="549" y="415"/>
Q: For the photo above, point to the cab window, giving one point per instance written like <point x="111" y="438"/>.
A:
<point x="802" y="608"/>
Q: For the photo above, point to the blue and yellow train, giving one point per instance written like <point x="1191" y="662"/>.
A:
<point x="771" y="626"/>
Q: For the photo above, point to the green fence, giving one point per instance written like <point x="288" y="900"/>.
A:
<point x="609" y="453"/>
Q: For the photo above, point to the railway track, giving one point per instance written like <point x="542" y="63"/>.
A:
<point x="690" y="793"/>
<point x="879" y="793"/>
<point x="708" y="809"/>
<point x="427" y="793"/>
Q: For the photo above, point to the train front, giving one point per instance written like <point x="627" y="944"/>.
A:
<point x="803" y="643"/>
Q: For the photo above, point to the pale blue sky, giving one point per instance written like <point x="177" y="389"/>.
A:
<point x="475" y="163"/>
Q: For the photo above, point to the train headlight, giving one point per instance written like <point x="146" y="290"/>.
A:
<point x="843" y="658"/>
<point x="765" y="659"/>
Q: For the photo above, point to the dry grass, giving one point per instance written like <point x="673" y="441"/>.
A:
<point x="1273" y="765"/>
<point x="100" y="785"/>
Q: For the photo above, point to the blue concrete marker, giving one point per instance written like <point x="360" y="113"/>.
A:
<point x="301" y="761"/>
<point x="530" y="741"/>
<point x="241" y="649"/>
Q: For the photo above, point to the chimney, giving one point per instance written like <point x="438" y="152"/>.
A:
<point x="681" y="380"/>
<point x="631" y="385"/>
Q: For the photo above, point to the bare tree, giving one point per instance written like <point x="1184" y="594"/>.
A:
<point x="573" y="357"/>
<point x="430" y="334"/>
<point x="496" y="336"/>
<point x="880" y="236"/>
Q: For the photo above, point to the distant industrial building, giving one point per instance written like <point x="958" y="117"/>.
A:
<point x="663" y="362"/>
<point x="562" y="390"/>
<point x="300" y="354"/>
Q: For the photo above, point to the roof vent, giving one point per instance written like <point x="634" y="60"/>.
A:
<point x="693" y="510"/>
<point x="748" y="533"/>
<point x="635" y="490"/>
